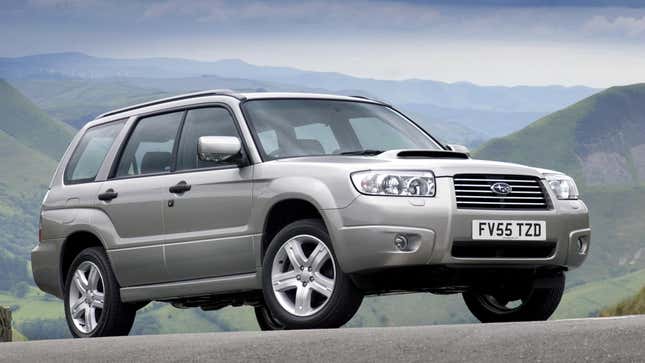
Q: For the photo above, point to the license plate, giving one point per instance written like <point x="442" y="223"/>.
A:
<point x="509" y="230"/>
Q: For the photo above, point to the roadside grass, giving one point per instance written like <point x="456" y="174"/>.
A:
<point x="589" y="299"/>
<point x="631" y="306"/>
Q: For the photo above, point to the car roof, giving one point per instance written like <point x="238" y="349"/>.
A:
<point x="240" y="96"/>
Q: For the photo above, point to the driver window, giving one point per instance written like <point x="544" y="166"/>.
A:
<point x="207" y="121"/>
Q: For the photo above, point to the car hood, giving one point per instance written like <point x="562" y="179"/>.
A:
<point x="441" y="166"/>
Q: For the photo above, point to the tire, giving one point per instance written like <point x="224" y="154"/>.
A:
<point x="114" y="318"/>
<point x="266" y="321"/>
<point x="536" y="305"/>
<point x="328" y="300"/>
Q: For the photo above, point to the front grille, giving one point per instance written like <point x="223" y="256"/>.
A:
<point x="473" y="191"/>
<point x="502" y="249"/>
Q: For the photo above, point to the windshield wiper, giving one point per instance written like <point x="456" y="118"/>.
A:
<point x="362" y="152"/>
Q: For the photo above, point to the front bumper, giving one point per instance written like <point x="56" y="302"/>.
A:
<point x="364" y="238"/>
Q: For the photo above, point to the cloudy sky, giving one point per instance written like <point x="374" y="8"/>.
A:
<point x="493" y="42"/>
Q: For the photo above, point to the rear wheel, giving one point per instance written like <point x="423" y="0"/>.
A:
<point x="533" y="304"/>
<point x="303" y="286"/>
<point x="93" y="306"/>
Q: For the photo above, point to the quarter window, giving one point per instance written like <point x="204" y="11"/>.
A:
<point x="209" y="121"/>
<point x="90" y="153"/>
<point x="150" y="147"/>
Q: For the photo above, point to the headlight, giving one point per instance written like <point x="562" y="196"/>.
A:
<point x="395" y="182"/>
<point x="563" y="186"/>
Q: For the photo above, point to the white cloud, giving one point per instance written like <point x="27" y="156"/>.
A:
<point x="621" y="25"/>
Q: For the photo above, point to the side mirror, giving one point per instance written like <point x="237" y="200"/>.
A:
<point x="218" y="148"/>
<point x="458" y="148"/>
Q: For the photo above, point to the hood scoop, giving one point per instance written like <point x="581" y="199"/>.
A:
<point x="424" y="154"/>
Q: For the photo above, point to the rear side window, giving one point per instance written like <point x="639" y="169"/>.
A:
<point x="90" y="153"/>
<point x="209" y="121"/>
<point x="150" y="146"/>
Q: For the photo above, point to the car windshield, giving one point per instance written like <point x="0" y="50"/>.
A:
<point x="306" y="127"/>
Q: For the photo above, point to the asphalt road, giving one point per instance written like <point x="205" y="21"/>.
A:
<point x="585" y="340"/>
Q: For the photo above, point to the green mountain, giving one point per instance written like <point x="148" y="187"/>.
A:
<point x="30" y="126"/>
<point x="599" y="140"/>
<point x="30" y="145"/>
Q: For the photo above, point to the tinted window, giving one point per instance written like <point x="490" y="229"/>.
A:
<point x="212" y="121"/>
<point x="149" y="149"/>
<point x="90" y="153"/>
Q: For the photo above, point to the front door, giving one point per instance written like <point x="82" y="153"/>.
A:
<point x="207" y="213"/>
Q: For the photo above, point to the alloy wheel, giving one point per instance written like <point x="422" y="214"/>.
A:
<point x="86" y="297"/>
<point x="303" y="275"/>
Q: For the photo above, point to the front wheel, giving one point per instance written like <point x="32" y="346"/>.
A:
<point x="303" y="286"/>
<point x="534" y="304"/>
<point x="265" y="320"/>
<point x="93" y="306"/>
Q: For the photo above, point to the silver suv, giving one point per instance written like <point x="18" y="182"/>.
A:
<point x="298" y="205"/>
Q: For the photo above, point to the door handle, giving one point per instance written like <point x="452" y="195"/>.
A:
<point x="180" y="187"/>
<point x="108" y="195"/>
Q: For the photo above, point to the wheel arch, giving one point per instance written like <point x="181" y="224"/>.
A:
<point x="73" y="244"/>
<point x="285" y="211"/>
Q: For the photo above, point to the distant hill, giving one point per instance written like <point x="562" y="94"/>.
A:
<point x="30" y="145"/>
<point x="460" y="95"/>
<point x="600" y="140"/>
<point x="485" y="123"/>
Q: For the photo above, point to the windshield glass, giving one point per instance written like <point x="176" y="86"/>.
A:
<point x="305" y="127"/>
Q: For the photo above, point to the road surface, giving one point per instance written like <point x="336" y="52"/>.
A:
<point x="584" y="340"/>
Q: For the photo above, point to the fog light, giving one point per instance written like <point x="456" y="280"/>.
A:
<point x="583" y="246"/>
<point x="401" y="242"/>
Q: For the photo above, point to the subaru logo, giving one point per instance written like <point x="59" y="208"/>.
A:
<point x="501" y="188"/>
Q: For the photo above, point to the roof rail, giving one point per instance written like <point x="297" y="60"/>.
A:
<point x="370" y="99"/>
<point x="215" y="92"/>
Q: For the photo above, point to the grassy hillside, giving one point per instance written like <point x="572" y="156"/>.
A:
<point x="26" y="123"/>
<point x="630" y="306"/>
<point x="30" y="144"/>
<point x="599" y="140"/>
<point x="618" y="233"/>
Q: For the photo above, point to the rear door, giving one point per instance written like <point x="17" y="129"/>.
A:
<point x="207" y="226"/>
<point x="134" y="197"/>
